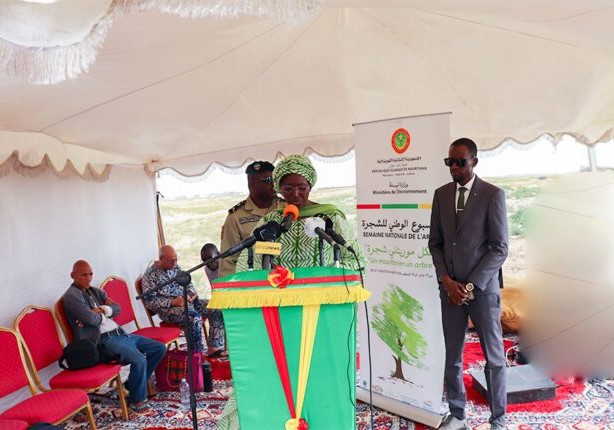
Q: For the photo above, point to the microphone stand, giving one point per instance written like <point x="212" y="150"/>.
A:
<point x="336" y="255"/>
<point x="321" y="251"/>
<point x="250" y="258"/>
<point x="183" y="278"/>
<point x="269" y="231"/>
<point x="267" y="261"/>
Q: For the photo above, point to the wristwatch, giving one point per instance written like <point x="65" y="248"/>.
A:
<point x="469" y="287"/>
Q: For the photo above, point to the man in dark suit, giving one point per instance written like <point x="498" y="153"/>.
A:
<point x="468" y="242"/>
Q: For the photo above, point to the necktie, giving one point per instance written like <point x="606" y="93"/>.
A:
<point x="460" y="205"/>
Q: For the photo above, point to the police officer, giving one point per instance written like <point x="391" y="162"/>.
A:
<point x="242" y="217"/>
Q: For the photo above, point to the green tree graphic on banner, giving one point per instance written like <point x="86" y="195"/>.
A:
<point x="394" y="321"/>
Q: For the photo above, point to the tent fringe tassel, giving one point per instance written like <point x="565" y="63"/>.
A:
<point x="12" y="164"/>
<point x="51" y="65"/>
<point x="287" y="297"/>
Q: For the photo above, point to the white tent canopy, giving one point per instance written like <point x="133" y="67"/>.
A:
<point x="137" y="84"/>
<point x="92" y="91"/>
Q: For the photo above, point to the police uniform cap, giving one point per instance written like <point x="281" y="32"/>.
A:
<point x="259" y="166"/>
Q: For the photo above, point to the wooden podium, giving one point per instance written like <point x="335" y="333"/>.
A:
<point x="291" y="336"/>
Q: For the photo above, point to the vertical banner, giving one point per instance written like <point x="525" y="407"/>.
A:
<point x="400" y="164"/>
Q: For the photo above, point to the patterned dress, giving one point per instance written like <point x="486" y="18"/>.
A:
<point x="160" y="303"/>
<point x="298" y="249"/>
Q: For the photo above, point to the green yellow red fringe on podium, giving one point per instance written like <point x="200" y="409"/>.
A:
<point x="292" y="340"/>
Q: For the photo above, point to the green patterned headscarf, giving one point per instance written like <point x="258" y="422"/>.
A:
<point x="294" y="164"/>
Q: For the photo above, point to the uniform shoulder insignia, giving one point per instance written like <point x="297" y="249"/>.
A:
<point x="237" y="206"/>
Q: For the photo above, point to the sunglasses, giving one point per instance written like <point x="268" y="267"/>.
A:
<point x="460" y="162"/>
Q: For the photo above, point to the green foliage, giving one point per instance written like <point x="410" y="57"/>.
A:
<point x="394" y="321"/>
<point x="523" y="192"/>
<point x="519" y="193"/>
<point x="517" y="221"/>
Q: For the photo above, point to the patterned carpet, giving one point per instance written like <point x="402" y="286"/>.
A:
<point x="164" y="412"/>
<point x="579" y="405"/>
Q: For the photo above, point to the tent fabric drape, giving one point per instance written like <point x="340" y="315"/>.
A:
<point x="231" y="90"/>
<point x="48" y="223"/>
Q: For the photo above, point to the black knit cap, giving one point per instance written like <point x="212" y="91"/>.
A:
<point x="259" y="166"/>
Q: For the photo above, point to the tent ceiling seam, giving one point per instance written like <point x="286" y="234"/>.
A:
<point x="158" y="82"/>
<point x="261" y="73"/>
<point x="428" y="61"/>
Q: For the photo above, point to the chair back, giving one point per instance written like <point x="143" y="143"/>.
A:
<point x="117" y="290"/>
<point x="13" y="424"/>
<point x="12" y="364"/>
<point x="60" y="314"/>
<point x="138" y="285"/>
<point x="39" y="330"/>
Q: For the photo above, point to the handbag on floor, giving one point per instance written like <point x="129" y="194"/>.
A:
<point x="80" y="354"/>
<point x="174" y="367"/>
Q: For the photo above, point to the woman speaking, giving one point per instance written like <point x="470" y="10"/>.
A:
<point x="294" y="177"/>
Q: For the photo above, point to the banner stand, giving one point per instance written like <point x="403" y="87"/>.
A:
<point x="401" y="165"/>
<point x="402" y="409"/>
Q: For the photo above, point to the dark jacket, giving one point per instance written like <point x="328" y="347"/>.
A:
<point x="78" y="305"/>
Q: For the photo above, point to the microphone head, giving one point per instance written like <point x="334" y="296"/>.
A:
<point x="291" y="209"/>
<point x="268" y="232"/>
<point x="183" y="278"/>
<point x="311" y="224"/>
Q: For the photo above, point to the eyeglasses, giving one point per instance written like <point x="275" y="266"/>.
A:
<point x="290" y="188"/>
<point x="267" y="180"/>
<point x="460" y="162"/>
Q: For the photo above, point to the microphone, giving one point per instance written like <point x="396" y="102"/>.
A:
<point x="266" y="233"/>
<point x="314" y="227"/>
<point x="290" y="215"/>
<point x="336" y="236"/>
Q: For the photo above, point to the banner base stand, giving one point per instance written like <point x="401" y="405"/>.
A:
<point x="408" y="411"/>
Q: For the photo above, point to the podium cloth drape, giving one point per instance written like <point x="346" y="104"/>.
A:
<point x="292" y="342"/>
